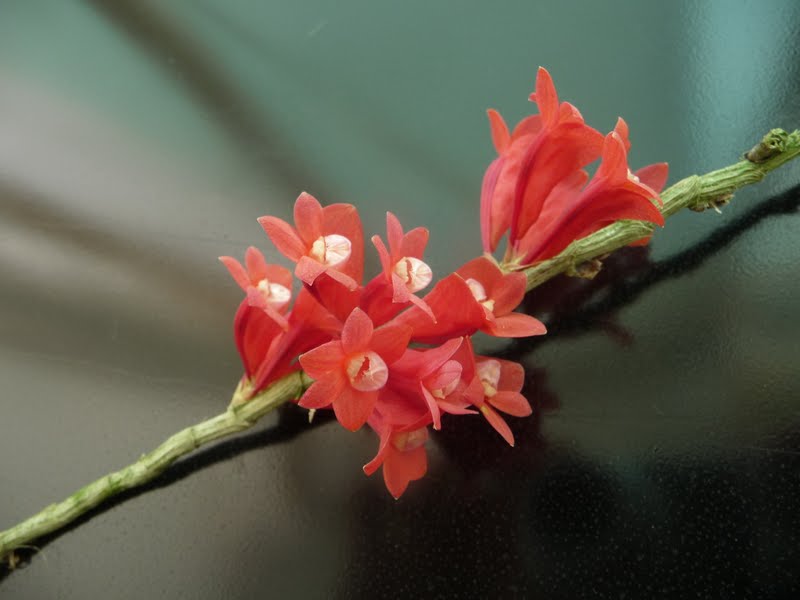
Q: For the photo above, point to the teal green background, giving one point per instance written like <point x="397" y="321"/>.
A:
<point x="141" y="140"/>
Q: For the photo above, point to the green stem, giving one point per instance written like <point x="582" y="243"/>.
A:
<point x="237" y="418"/>
<point x="698" y="192"/>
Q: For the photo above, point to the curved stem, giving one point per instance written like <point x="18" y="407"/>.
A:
<point x="698" y="192"/>
<point x="234" y="420"/>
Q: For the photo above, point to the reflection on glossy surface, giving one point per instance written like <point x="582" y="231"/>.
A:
<point x="139" y="141"/>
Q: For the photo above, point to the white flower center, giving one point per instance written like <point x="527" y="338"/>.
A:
<point x="331" y="249"/>
<point x="275" y="294"/>
<point x="414" y="273"/>
<point x="367" y="371"/>
<point x="479" y="293"/>
<point x="489" y="374"/>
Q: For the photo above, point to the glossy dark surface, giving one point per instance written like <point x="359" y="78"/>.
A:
<point x="139" y="142"/>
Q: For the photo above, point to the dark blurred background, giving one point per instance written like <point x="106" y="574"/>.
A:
<point x="139" y="140"/>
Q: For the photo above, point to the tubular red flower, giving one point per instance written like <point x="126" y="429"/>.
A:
<point x="401" y="454"/>
<point x="614" y="193"/>
<point x="501" y="380"/>
<point x="540" y="153"/>
<point x="324" y="240"/>
<point x="404" y="272"/>
<point x="350" y="372"/>
<point x="435" y="377"/>
<point x="499" y="294"/>
<point x="268" y="287"/>
<point x="535" y="189"/>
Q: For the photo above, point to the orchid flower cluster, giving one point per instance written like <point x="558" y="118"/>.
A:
<point x="382" y="355"/>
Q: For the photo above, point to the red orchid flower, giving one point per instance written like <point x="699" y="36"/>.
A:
<point x="402" y="263"/>
<point x="310" y="325"/>
<point x="268" y="287"/>
<point x="542" y="151"/>
<point x="326" y="240"/>
<point x="499" y="294"/>
<point x="434" y="376"/>
<point x="350" y="372"/>
<point x="253" y="332"/>
<point x="572" y="213"/>
<point x="402" y="455"/>
<point x="502" y="380"/>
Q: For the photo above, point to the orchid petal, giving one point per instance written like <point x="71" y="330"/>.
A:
<point x="436" y="357"/>
<point x="528" y="126"/>
<point x="256" y="299"/>
<point x="280" y="275"/>
<point x="343" y="219"/>
<point x="484" y="271"/>
<point x="383" y="254"/>
<point x="307" y="270"/>
<point x="515" y="325"/>
<point x="512" y="403"/>
<point x="512" y="376"/>
<point x="557" y="154"/>
<point x="436" y="414"/>
<point x="394" y="234"/>
<point x="357" y="332"/>
<point x="284" y="236"/>
<point x="320" y="361"/>
<point x="496" y="421"/>
<point x="614" y="165"/>
<point x="353" y="407"/>
<point x="380" y="457"/>
<point x="456" y="409"/>
<point x="390" y="341"/>
<point x="545" y="96"/>
<point x="400" y="293"/>
<point x="508" y="294"/>
<point x="449" y="372"/>
<point x="500" y="136"/>
<point x="492" y="229"/>
<point x="414" y="242"/>
<point x="654" y="176"/>
<point x="256" y="265"/>
<point x="621" y="129"/>
<point x="401" y="468"/>
<point x="456" y="310"/>
<point x="308" y="218"/>
<point x="422" y="305"/>
<point x="237" y="271"/>
<point x="324" y="391"/>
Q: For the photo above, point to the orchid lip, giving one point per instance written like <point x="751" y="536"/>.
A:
<point x="415" y="273"/>
<point x="479" y="293"/>
<point x="477" y="289"/>
<point x="274" y="293"/>
<point x="331" y="250"/>
<point x="489" y="374"/>
<point x="367" y="371"/>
